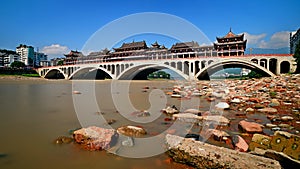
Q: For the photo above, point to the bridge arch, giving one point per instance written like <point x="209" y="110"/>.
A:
<point x="232" y="63"/>
<point x="55" y="74"/>
<point x="91" y="73"/>
<point x="285" y="67"/>
<point x="140" y="71"/>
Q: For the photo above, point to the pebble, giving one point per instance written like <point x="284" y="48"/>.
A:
<point x="222" y="105"/>
<point x="128" y="142"/>
<point x="76" y="92"/>
<point x="249" y="109"/>
<point x="276" y="129"/>
<point x="269" y="125"/>
<point x="287" y="118"/>
<point x="235" y="100"/>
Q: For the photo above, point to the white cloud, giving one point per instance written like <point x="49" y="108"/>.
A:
<point x="277" y="40"/>
<point x="254" y="39"/>
<point x="55" y="50"/>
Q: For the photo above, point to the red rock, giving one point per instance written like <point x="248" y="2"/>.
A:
<point x="250" y="127"/>
<point x="95" y="138"/>
<point x="255" y="100"/>
<point x="241" y="145"/>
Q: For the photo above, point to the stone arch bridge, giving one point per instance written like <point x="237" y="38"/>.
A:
<point x="189" y="68"/>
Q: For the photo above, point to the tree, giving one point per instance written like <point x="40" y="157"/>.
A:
<point x="61" y="62"/>
<point x="17" y="64"/>
<point x="297" y="57"/>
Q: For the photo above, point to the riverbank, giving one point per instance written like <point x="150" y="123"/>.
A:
<point x="19" y="77"/>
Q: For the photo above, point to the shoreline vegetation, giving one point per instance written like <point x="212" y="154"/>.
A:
<point x="21" y="77"/>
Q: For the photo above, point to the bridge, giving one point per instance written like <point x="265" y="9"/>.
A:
<point x="184" y="64"/>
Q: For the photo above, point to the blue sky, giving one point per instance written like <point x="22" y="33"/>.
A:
<point x="57" y="26"/>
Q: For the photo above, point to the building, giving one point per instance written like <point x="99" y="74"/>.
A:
<point x="39" y="57"/>
<point x="230" y="45"/>
<point x="294" y="40"/>
<point x="26" y="54"/>
<point x="72" y="57"/>
<point x="7" y="57"/>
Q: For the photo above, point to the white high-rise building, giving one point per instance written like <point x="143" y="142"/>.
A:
<point x="26" y="54"/>
<point x="294" y="40"/>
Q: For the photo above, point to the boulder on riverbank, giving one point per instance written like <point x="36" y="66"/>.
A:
<point x="202" y="155"/>
<point x="95" y="138"/>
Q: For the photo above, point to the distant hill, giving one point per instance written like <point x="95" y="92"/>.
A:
<point x="285" y="50"/>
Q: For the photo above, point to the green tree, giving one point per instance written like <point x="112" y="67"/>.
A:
<point x="61" y="62"/>
<point x="17" y="64"/>
<point x="297" y="57"/>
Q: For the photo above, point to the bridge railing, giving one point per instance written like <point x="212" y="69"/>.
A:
<point x="171" y="56"/>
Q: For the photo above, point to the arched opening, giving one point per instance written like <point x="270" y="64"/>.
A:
<point x="186" y="67"/>
<point x="142" y="72"/>
<point x="254" y="61"/>
<point x="263" y="63"/>
<point x="209" y="62"/>
<point x="285" y="67"/>
<point x="90" y="74"/>
<point x="173" y="64"/>
<point x="179" y="66"/>
<point x="54" y="74"/>
<point x="203" y="64"/>
<point x="215" y="67"/>
<point x="273" y="65"/>
<point x="197" y="69"/>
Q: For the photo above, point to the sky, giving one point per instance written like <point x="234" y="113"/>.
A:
<point x="56" y="26"/>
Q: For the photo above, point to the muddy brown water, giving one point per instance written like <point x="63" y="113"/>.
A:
<point x="34" y="113"/>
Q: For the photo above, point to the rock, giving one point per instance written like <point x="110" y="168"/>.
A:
<point x="63" y="140"/>
<point x="260" y="141"/>
<point x="76" y="92"/>
<point x="292" y="148"/>
<point x="269" y="125"/>
<point x="276" y="129"/>
<point x="287" y="118"/>
<point x="111" y="121"/>
<point x="239" y="143"/>
<point x="221" y="120"/>
<point x="132" y="131"/>
<point x="285" y="161"/>
<point x="170" y="110"/>
<point x="254" y="100"/>
<point x="235" y="100"/>
<point x="2" y="155"/>
<point x="193" y="111"/>
<point x="282" y="125"/>
<point x="249" y="109"/>
<point x="275" y="102"/>
<point x="259" y="106"/>
<point x="143" y="113"/>
<point x="128" y="142"/>
<point x="217" y="95"/>
<point x="187" y="117"/>
<point x="250" y="127"/>
<point x="268" y="110"/>
<point x="217" y="134"/>
<point x="95" y="138"/>
<point x="222" y="105"/>
<point x="202" y="155"/>
<point x="196" y="137"/>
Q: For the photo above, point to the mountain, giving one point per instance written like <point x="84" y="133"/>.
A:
<point x="285" y="50"/>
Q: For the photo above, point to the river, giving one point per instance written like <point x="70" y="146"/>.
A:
<point x="34" y="113"/>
